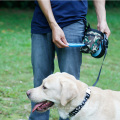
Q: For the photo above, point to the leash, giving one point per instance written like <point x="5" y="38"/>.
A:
<point x="100" y="69"/>
<point x="105" y="49"/>
<point x="80" y="45"/>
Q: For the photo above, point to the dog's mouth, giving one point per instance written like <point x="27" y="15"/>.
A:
<point x="43" y="106"/>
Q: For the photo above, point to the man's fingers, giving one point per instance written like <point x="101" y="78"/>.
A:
<point x="107" y="33"/>
<point x="98" y="27"/>
<point x="60" y="43"/>
<point x="102" y="30"/>
<point x="59" y="38"/>
<point x="64" y="40"/>
<point x="59" y="46"/>
<point x="103" y="27"/>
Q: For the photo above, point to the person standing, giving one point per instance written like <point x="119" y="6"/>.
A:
<point x="56" y="23"/>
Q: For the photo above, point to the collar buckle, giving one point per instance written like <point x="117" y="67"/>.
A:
<point x="88" y="91"/>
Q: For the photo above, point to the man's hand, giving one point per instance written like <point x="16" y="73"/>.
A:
<point x="57" y="33"/>
<point x="101" y="16"/>
<point x="103" y="27"/>
<point x="59" y="38"/>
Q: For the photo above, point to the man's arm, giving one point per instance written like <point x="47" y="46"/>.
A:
<point x="101" y="16"/>
<point x="57" y="33"/>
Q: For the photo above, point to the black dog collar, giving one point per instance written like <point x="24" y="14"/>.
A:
<point x="78" y="108"/>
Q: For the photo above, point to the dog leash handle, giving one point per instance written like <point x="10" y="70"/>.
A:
<point x="76" y="44"/>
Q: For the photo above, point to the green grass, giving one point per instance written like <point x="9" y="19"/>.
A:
<point x="15" y="62"/>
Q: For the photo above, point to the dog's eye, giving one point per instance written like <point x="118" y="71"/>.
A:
<point x="44" y="87"/>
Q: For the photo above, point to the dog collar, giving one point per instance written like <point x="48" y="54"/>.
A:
<point x="78" y="108"/>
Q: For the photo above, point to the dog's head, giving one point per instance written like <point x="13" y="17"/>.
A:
<point x="58" y="88"/>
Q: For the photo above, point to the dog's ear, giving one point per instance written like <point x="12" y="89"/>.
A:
<point x="69" y="92"/>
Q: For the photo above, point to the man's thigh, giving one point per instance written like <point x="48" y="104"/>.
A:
<point x="70" y="58"/>
<point x="42" y="57"/>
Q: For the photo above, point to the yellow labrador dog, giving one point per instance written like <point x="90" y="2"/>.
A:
<point x="75" y="99"/>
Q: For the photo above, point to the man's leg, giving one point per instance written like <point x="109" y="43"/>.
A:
<point x="70" y="59"/>
<point x="43" y="65"/>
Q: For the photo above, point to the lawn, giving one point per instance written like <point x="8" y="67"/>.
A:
<point x="16" y="75"/>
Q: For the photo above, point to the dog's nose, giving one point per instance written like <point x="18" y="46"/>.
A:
<point x="28" y="93"/>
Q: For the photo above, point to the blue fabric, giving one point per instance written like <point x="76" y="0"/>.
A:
<point x="43" y="54"/>
<point x="65" y="12"/>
